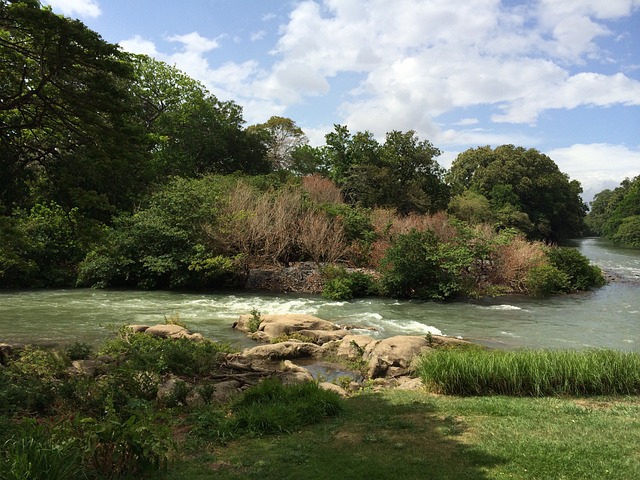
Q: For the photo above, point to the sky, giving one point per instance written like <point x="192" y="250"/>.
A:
<point x="560" y="76"/>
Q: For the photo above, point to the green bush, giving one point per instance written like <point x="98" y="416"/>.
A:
<point x="179" y="356"/>
<point x="338" y="289"/>
<point x="531" y="373"/>
<point x="628" y="233"/>
<point x="418" y="265"/>
<point x="581" y="274"/>
<point x="128" y="448"/>
<point x="341" y="284"/>
<point x="544" y="280"/>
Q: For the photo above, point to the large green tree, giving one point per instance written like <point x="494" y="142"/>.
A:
<point x="401" y="173"/>
<point x="515" y="179"/>
<point x="194" y="133"/>
<point x="68" y="130"/>
<point x="615" y="214"/>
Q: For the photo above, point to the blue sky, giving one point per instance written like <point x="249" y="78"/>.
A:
<point x="561" y="76"/>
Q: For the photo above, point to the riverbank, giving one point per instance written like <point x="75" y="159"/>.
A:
<point x="171" y="405"/>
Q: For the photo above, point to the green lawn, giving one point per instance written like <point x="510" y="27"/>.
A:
<point x="415" y="435"/>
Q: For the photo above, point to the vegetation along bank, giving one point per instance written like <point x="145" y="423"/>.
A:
<point x="121" y="171"/>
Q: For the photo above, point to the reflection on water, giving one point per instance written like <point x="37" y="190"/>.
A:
<point x="608" y="317"/>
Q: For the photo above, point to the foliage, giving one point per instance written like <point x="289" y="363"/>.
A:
<point x="340" y="284"/>
<point x="256" y="320"/>
<point x="418" y="265"/>
<point x="544" y="280"/>
<point x="36" y="452"/>
<point x="63" y="88"/>
<point x="194" y="133"/>
<point x="581" y="275"/>
<point x="615" y="213"/>
<point x="400" y="173"/>
<point x="43" y="246"/>
<point x="531" y="373"/>
<point x="268" y="408"/>
<point x="525" y="181"/>
<point x="281" y="137"/>
<point x="168" y="244"/>
<point x="179" y="356"/>
<point x="471" y="207"/>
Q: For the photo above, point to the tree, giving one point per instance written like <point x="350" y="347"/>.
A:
<point x="64" y="104"/>
<point x="517" y="179"/>
<point x="615" y="213"/>
<point x="193" y="133"/>
<point x="401" y="173"/>
<point x="281" y="137"/>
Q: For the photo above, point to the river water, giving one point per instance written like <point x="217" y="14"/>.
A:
<point x="608" y="317"/>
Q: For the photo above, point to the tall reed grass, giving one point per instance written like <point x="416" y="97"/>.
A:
<point x="531" y="372"/>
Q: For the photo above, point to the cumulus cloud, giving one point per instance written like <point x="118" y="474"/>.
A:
<point x="412" y="61"/>
<point x="81" y="8"/>
<point x="598" y="165"/>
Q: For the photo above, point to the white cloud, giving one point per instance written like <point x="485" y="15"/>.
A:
<point x="139" y="45"/>
<point x="598" y="165"/>
<point x="414" y="60"/>
<point x="82" y="8"/>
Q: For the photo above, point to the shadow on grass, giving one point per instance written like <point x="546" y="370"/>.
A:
<point x="399" y="436"/>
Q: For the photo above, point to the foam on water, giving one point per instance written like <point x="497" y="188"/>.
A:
<point x="500" y="307"/>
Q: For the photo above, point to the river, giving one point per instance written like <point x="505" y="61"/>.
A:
<point x="608" y="317"/>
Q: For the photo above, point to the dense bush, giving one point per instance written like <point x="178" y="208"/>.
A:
<point x="419" y="265"/>
<point x="179" y="356"/>
<point x="340" y="284"/>
<point x="581" y="274"/>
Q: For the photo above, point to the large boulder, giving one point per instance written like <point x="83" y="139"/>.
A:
<point x="172" y="331"/>
<point x="393" y="356"/>
<point x="353" y="347"/>
<point x="278" y="325"/>
<point x="280" y="351"/>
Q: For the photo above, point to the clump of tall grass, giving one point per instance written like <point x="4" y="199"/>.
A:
<point x="268" y="408"/>
<point x="531" y="372"/>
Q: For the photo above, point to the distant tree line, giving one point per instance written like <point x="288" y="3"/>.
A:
<point x="615" y="214"/>
<point x="120" y="170"/>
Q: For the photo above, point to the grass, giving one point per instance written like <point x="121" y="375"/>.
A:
<point x="531" y="373"/>
<point x="114" y="426"/>
<point x="415" y="435"/>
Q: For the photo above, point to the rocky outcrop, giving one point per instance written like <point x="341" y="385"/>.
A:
<point x="389" y="361"/>
<point x="166" y="331"/>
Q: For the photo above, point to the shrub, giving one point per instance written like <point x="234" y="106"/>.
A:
<point x="126" y="448"/>
<point x="419" y="265"/>
<point x="338" y="289"/>
<point x="78" y="351"/>
<point x="628" y="233"/>
<point x="544" y="280"/>
<point x="179" y="356"/>
<point x="581" y="274"/>
<point x="340" y="284"/>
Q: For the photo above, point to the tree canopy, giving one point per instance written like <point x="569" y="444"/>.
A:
<point x="615" y="214"/>
<point x="515" y="179"/>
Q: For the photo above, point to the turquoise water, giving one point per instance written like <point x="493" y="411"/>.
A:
<point x="608" y="317"/>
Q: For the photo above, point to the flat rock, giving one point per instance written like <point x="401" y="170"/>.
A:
<point x="280" y="351"/>
<point x="278" y="325"/>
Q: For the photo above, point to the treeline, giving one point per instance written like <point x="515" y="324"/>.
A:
<point x="119" y="170"/>
<point x="615" y="214"/>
